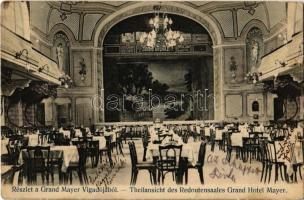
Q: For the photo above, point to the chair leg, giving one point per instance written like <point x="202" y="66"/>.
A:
<point x="71" y="177"/>
<point x="135" y="177"/>
<point x="85" y="176"/>
<point x="270" y="169"/>
<point x="281" y="173"/>
<point x="266" y="172"/>
<point x="201" y="175"/>
<point x="150" y="174"/>
<point x="145" y="152"/>
<point x="120" y="144"/>
<point x="295" y="174"/>
<point x="262" y="174"/>
<point x="79" y="176"/>
<point x="132" y="177"/>
<point x="154" y="176"/>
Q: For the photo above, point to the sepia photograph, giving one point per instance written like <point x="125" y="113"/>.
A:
<point x="152" y="99"/>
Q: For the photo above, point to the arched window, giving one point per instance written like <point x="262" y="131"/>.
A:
<point x="255" y="106"/>
<point x="61" y="51"/>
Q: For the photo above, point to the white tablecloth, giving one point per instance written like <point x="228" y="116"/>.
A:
<point x="78" y="133"/>
<point x="102" y="141"/>
<point x="66" y="133"/>
<point x="218" y="134"/>
<point x="188" y="151"/>
<point x="69" y="154"/>
<point x="237" y="139"/>
<point x="33" y="139"/>
<point x="207" y="131"/>
<point x="4" y="142"/>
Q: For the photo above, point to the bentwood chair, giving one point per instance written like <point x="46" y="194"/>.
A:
<point x="80" y="166"/>
<point x="137" y="166"/>
<point x="273" y="161"/>
<point x="169" y="158"/>
<point x="107" y="150"/>
<point x="118" y="143"/>
<point x="13" y="173"/>
<point x="200" y="163"/>
<point x="93" y="148"/>
<point x="145" y="142"/>
<point x="264" y="158"/>
<point x="38" y="162"/>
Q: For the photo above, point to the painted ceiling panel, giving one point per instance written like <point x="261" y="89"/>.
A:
<point x="72" y="21"/>
<point x="243" y="17"/>
<point x="89" y="24"/>
<point x="225" y="20"/>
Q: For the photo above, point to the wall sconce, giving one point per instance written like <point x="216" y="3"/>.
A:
<point x="283" y="37"/>
<point x="20" y="53"/>
<point x="254" y="77"/>
<point x="40" y="69"/>
<point x="280" y="63"/>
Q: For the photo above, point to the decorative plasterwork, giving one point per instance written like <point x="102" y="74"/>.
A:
<point x="141" y="8"/>
<point x="89" y="24"/>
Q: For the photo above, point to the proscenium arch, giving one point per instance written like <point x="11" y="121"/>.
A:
<point x="147" y="7"/>
<point x="104" y="26"/>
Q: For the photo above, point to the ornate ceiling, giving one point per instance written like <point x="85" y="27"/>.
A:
<point x="82" y="17"/>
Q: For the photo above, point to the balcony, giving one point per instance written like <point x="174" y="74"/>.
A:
<point x="19" y="55"/>
<point x="287" y="59"/>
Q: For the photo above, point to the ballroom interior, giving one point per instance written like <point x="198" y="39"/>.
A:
<point x="102" y="88"/>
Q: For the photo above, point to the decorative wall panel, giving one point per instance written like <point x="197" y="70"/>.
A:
<point x="234" y="105"/>
<point x="82" y="61"/>
<point x="234" y="65"/>
<point x="84" y="112"/>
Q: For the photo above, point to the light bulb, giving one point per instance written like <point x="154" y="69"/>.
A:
<point x="166" y="20"/>
<point x="156" y="19"/>
<point x="141" y="39"/>
<point x="153" y="33"/>
<point x="151" y="22"/>
<point x="181" y="39"/>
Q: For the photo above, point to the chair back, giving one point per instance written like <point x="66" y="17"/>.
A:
<point x="161" y="137"/>
<point x="202" y="153"/>
<point x="38" y="157"/>
<point x="83" y="154"/>
<point x="271" y="151"/>
<point x="133" y="154"/>
<point x="169" y="157"/>
<point x="145" y="140"/>
<point x="263" y="149"/>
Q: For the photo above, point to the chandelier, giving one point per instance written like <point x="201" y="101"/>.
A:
<point x="161" y="31"/>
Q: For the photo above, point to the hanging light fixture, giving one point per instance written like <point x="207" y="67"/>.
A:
<point x="161" y="31"/>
